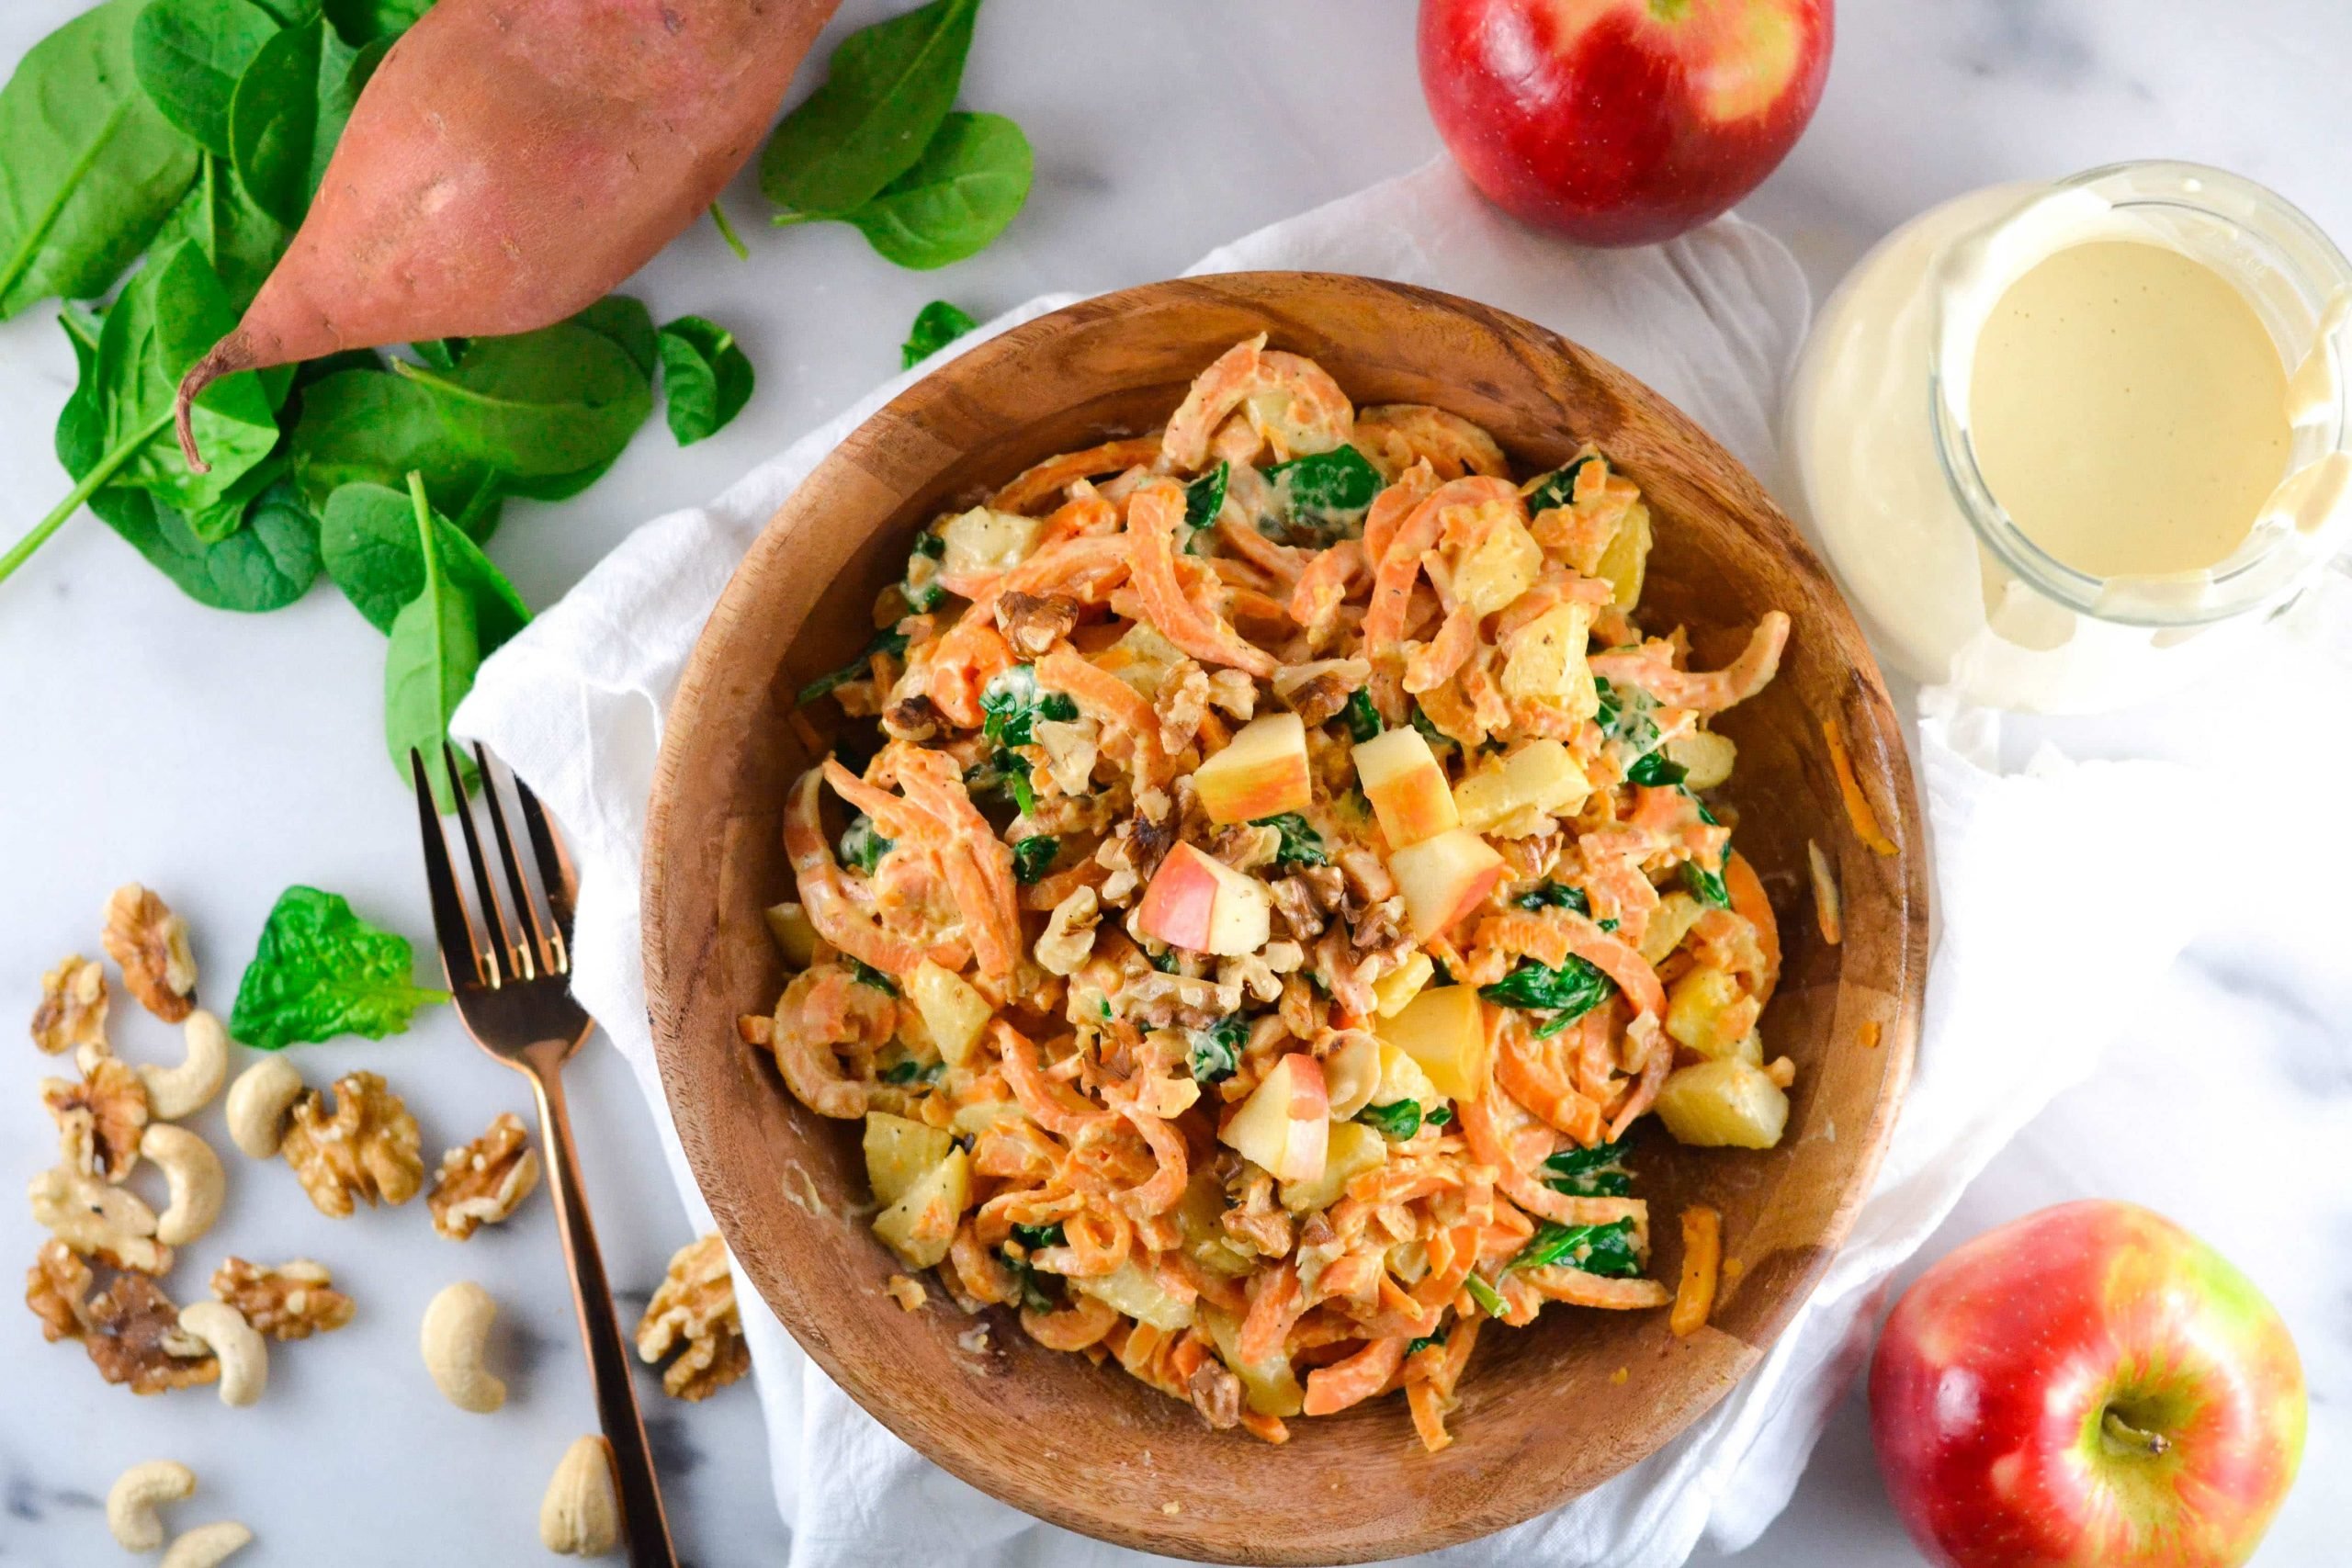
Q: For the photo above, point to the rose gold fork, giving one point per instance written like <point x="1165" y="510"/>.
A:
<point x="511" y="980"/>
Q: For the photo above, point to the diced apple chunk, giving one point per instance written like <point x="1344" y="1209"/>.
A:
<point x="1137" y="1294"/>
<point x="951" y="1010"/>
<point x="1500" y="567"/>
<point x="1407" y="787"/>
<point x="1445" y="1031"/>
<point x="1546" y="662"/>
<point x="1402" y="984"/>
<point x="1355" y="1149"/>
<point x="982" y="541"/>
<point x="898" y="1151"/>
<point x="1726" y="1103"/>
<point x="1268" y="1387"/>
<point x="919" y="1227"/>
<point x="1521" y="793"/>
<point x="1401" y="1078"/>
<point x="1706" y="1012"/>
<point x="1198" y="902"/>
<point x="1262" y="771"/>
<point x="1285" y="1126"/>
<point x="1669" y="923"/>
<point x="1444" y="878"/>
<point x="794" y="937"/>
<point x="1205" y="1242"/>
<point x="1626" y="558"/>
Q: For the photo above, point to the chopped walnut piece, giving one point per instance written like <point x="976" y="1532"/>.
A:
<point x="367" y="1149"/>
<point x="1246" y="846"/>
<point x="1233" y="691"/>
<point x="149" y="942"/>
<point x="292" y="1301"/>
<point x="100" y="1119"/>
<point x="1216" y="1395"/>
<point x="1072" y="747"/>
<point x="1163" y="1001"/>
<point x="909" y="1293"/>
<point x="57" y="1287"/>
<point x="695" y="1308"/>
<point x="1182" y="700"/>
<point x="1250" y="973"/>
<point x="1069" y="933"/>
<point x="1318" y="691"/>
<point x="483" y="1182"/>
<point x="1294" y="901"/>
<point x="915" y="718"/>
<point x="73" y="1010"/>
<point x="111" y="1224"/>
<point x="1033" y="622"/>
<point x="135" y="1337"/>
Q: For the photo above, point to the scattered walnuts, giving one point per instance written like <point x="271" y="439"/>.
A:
<point x="135" y="1337"/>
<point x="100" y="1119"/>
<point x="484" y="1181"/>
<point x="149" y="942"/>
<point x="367" y="1149"/>
<point x="57" y="1287"/>
<point x="73" y="1010"/>
<point x="695" y="1307"/>
<point x="292" y="1301"/>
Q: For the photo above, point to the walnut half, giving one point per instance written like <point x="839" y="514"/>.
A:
<point x="57" y="1287"/>
<point x="484" y="1181"/>
<point x="366" y="1149"/>
<point x="695" y="1307"/>
<point x="135" y="1337"/>
<point x="292" y="1301"/>
<point x="151" y="943"/>
<point x="73" y="1010"/>
<point x="100" y="1119"/>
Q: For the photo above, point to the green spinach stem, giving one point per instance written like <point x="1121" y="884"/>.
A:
<point x="727" y="233"/>
<point x="94" y="481"/>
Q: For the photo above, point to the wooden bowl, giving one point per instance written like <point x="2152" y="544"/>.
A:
<point x="1546" y="1413"/>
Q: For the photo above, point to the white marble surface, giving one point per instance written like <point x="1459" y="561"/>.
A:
<point x="221" y="758"/>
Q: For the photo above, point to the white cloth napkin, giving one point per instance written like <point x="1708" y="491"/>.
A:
<point x="576" y="703"/>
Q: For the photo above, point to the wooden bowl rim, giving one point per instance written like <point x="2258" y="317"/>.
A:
<point x="1879" y="746"/>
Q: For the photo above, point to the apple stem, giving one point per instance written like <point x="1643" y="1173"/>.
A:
<point x="2124" y="1434"/>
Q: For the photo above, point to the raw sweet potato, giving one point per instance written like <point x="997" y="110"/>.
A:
<point x="509" y="162"/>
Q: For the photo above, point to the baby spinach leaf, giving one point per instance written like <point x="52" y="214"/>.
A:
<point x="1032" y="857"/>
<point x="921" y="587"/>
<point x="90" y="167"/>
<point x="1606" y="1250"/>
<point x="441" y="353"/>
<point x="908" y="1070"/>
<point x="1707" y="887"/>
<point x="862" y="846"/>
<point x="241" y="241"/>
<point x="367" y="538"/>
<point x="287" y="112"/>
<point x="1013" y="702"/>
<point x="623" y="320"/>
<point x="321" y="971"/>
<point x="864" y="974"/>
<point x="1326" y="490"/>
<point x="1363" y="719"/>
<point x="886" y="91"/>
<point x="937" y="324"/>
<point x="363" y="22"/>
<point x="1440" y="741"/>
<point x="264" y="565"/>
<point x="1215" y="1054"/>
<point x="855" y="669"/>
<point x="188" y="55"/>
<point x="1205" y="498"/>
<point x="956" y="199"/>
<point x="1654" y="768"/>
<point x="1554" y="895"/>
<point x="1597" y="1172"/>
<point x="706" y="378"/>
<point x="1556" y="488"/>
<point x="429" y="663"/>
<point x="1573" y="989"/>
<point x="1035" y="1236"/>
<point x="215" y="522"/>
<point x="1301" y="844"/>
<point x="1399" y="1120"/>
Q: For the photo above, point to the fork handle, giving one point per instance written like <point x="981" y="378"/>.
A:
<point x="646" y="1526"/>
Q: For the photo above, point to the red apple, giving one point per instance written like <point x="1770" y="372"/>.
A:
<point x="1262" y="771"/>
<point x="1444" y="878"/>
<point x="1408" y="789"/>
<point x="1197" y="901"/>
<point x="2087" y="1387"/>
<point x="1286" y="1124"/>
<point x="1621" y="123"/>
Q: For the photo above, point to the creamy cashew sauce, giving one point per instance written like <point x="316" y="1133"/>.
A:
<point x="2125" y="406"/>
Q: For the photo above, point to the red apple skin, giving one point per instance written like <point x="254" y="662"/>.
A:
<point x="1622" y="122"/>
<point x="1992" y="1381"/>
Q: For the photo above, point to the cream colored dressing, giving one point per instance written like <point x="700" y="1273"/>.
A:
<point x="2129" y="409"/>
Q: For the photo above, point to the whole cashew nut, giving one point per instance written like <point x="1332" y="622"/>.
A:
<point x="258" y="1103"/>
<point x="457" y="1333"/>
<point x="207" y="1545"/>
<point x="243" y="1353"/>
<point x="174" y="1092"/>
<point x="581" y="1515"/>
<point x="98" y="1221"/>
<point x="130" y="1502"/>
<point x="197" y="1183"/>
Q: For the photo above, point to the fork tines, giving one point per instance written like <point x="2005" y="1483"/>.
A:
<point x="535" y="940"/>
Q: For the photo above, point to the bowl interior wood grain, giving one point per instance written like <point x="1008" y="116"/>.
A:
<point x="1546" y="1413"/>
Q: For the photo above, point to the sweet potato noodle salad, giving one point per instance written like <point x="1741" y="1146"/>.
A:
<point x="1279" y="881"/>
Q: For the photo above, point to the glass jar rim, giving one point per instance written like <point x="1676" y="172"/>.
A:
<point x="2292" y="245"/>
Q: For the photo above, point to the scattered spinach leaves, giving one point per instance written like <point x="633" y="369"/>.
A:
<point x="1556" y="488"/>
<point x="1301" y="844"/>
<point x="921" y="587"/>
<point x="288" y="111"/>
<point x="1205" y="498"/>
<point x="320" y="971"/>
<point x="367" y="538"/>
<point x="855" y="669"/>
<point x="1032" y="857"/>
<point x="188" y="55"/>
<point x="1655" y="768"/>
<point x="862" y="846"/>
<point x="706" y="378"/>
<point x="970" y="183"/>
<point x="936" y="326"/>
<point x="1554" y="895"/>
<point x="1215" y="1053"/>
<point x="1035" y="1236"/>
<point x="1568" y="992"/>
<point x="1604" y="1249"/>
<point x="1398" y="1120"/>
<point x="429" y="663"/>
<point x="1013" y="702"/>
<point x="864" y="974"/>
<point x="1597" y="1172"/>
<point x="1326" y="493"/>
<point x="1363" y="719"/>
<point x="886" y="92"/>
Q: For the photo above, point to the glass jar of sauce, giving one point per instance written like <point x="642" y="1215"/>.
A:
<point x="2066" y="445"/>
